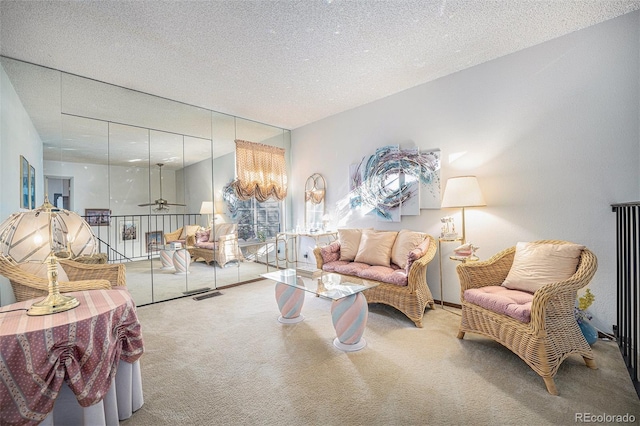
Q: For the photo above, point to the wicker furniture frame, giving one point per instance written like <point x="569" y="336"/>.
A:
<point x="411" y="299"/>
<point x="551" y="335"/>
<point x="227" y="249"/>
<point x="81" y="277"/>
<point x="98" y="258"/>
<point x="173" y="236"/>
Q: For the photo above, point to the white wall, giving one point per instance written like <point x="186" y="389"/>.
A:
<point x="552" y="132"/>
<point x="18" y="137"/>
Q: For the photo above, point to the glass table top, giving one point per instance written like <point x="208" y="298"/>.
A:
<point x="331" y="286"/>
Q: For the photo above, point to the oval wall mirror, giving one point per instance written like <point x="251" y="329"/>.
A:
<point x="314" y="192"/>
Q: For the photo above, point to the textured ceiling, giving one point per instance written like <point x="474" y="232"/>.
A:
<point x="285" y="63"/>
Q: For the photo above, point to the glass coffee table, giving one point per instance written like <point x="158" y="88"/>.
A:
<point x="349" y="309"/>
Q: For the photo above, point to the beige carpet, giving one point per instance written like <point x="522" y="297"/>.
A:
<point x="228" y="361"/>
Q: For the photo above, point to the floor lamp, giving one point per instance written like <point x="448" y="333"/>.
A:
<point x="463" y="191"/>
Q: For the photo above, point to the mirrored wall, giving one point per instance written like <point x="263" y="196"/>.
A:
<point x="142" y="169"/>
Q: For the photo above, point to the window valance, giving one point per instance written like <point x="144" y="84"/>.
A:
<point x="261" y="171"/>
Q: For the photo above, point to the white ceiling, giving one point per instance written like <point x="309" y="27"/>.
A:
<point x="285" y="63"/>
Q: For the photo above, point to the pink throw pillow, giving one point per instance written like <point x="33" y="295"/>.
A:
<point x="417" y="253"/>
<point x="203" y="235"/>
<point x="330" y="253"/>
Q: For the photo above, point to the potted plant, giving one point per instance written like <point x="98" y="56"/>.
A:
<point x="583" y="317"/>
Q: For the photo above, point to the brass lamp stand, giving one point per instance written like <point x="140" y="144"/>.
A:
<point x="54" y="302"/>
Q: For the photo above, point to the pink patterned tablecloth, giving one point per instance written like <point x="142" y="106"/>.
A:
<point x="82" y="347"/>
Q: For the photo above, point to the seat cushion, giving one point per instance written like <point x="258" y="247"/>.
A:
<point x="514" y="303"/>
<point x="331" y="266"/>
<point x="351" y="268"/>
<point x="208" y="245"/>
<point x="385" y="274"/>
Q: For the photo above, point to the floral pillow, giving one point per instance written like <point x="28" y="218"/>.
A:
<point x="417" y="253"/>
<point x="330" y="253"/>
<point x="202" y="235"/>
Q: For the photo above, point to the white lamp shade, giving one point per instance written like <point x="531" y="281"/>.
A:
<point x="206" y="207"/>
<point x="31" y="236"/>
<point x="463" y="191"/>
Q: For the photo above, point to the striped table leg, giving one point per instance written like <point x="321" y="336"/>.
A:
<point x="181" y="261"/>
<point x="290" y="300"/>
<point x="166" y="257"/>
<point x="349" y="316"/>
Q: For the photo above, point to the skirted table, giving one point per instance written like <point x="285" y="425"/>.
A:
<point x="88" y="355"/>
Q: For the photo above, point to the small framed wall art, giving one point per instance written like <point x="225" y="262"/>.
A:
<point x="98" y="217"/>
<point x="128" y="230"/>
<point x="154" y="241"/>
<point x="32" y="187"/>
<point x="24" y="183"/>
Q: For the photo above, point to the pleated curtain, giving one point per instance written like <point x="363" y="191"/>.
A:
<point x="261" y="171"/>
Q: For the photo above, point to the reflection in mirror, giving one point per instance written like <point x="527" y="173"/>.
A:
<point x="105" y="142"/>
<point x="257" y="223"/>
<point x="314" y="193"/>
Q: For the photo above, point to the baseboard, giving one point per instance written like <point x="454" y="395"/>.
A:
<point x="449" y="304"/>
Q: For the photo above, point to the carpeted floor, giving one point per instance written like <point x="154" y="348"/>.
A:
<point x="226" y="360"/>
<point x="147" y="282"/>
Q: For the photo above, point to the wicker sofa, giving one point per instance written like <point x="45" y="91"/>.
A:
<point x="550" y="334"/>
<point x="402" y="284"/>
<point x="27" y="282"/>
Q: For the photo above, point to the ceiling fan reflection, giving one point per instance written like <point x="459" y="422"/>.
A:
<point x="161" y="204"/>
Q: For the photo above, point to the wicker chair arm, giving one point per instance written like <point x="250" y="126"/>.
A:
<point x="172" y="236"/>
<point x="418" y="272"/>
<point x="67" y="286"/>
<point x="492" y="271"/>
<point x="558" y="299"/>
<point x="114" y="273"/>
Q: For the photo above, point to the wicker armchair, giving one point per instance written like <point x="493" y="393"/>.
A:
<point x="551" y="335"/>
<point x="81" y="277"/>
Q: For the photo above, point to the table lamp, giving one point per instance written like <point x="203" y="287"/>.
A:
<point x="462" y="191"/>
<point x="43" y="235"/>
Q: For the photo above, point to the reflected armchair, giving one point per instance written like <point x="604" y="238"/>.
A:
<point x="221" y="246"/>
<point x="73" y="276"/>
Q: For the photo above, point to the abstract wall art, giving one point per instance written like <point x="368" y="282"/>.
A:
<point x="394" y="182"/>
